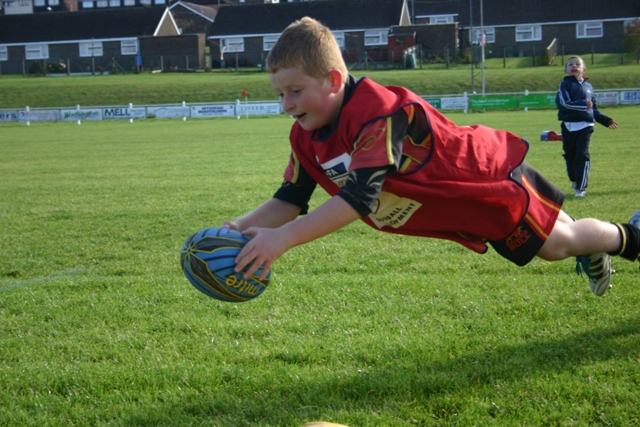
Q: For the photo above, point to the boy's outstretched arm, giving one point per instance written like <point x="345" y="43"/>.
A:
<point x="272" y="213"/>
<point x="268" y="244"/>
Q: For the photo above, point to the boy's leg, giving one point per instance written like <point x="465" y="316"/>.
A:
<point x="569" y="153"/>
<point x="589" y="240"/>
<point x="592" y="241"/>
<point x="581" y="237"/>
<point x="588" y="236"/>
<point x="548" y="232"/>
<point x="582" y="160"/>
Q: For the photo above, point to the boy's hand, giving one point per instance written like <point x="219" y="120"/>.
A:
<point x="266" y="245"/>
<point x="613" y="124"/>
<point x="232" y="225"/>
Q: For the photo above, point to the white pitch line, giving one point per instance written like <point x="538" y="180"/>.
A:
<point x="42" y="279"/>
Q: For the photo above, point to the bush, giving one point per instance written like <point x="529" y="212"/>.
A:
<point x="37" y="68"/>
<point x="467" y="56"/>
<point x="632" y="37"/>
<point x="56" y="67"/>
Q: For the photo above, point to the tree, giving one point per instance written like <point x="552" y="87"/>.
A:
<point x="632" y="37"/>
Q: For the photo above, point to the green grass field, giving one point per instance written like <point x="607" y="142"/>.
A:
<point x="225" y="86"/>
<point x="99" y="327"/>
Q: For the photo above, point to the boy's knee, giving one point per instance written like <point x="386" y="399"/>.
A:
<point x="552" y="253"/>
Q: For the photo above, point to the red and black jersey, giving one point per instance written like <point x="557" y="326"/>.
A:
<point x="440" y="179"/>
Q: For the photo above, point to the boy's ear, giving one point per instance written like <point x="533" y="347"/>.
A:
<point x="335" y="80"/>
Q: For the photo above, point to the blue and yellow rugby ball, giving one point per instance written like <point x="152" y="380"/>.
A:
<point x="208" y="261"/>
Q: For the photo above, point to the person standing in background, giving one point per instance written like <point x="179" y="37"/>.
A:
<point x="577" y="110"/>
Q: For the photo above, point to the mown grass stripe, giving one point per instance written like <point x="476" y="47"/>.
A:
<point x="41" y="280"/>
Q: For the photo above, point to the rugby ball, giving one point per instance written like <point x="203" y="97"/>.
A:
<point x="208" y="258"/>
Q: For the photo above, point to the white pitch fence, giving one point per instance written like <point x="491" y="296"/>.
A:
<point x="133" y="112"/>
<point x="462" y="102"/>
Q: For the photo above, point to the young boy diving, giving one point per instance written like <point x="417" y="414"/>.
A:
<point x="389" y="158"/>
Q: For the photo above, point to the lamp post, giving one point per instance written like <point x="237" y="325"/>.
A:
<point x="413" y="12"/>
<point x="483" y="42"/>
<point x="471" y="35"/>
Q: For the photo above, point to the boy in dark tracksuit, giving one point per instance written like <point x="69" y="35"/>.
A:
<point x="577" y="110"/>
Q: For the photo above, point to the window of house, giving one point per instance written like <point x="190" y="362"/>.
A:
<point x="441" y="19"/>
<point x="376" y="37"/>
<point x="475" y="36"/>
<point x="528" y="33"/>
<point x="114" y="3"/>
<point x="589" y="30"/>
<point x="102" y="3"/>
<point x="129" y="2"/>
<point x="90" y="49"/>
<point x="39" y="3"/>
<point x="36" y="51"/>
<point x="129" y="47"/>
<point x="339" y="35"/>
<point x="159" y="2"/>
<point x="4" y="53"/>
<point x="269" y="41"/>
<point x="233" y="44"/>
<point x="87" y="4"/>
<point x="145" y="2"/>
<point x="54" y="2"/>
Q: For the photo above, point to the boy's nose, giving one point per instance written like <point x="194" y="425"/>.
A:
<point x="287" y="105"/>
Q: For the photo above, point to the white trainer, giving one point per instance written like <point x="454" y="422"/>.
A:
<point x="597" y="267"/>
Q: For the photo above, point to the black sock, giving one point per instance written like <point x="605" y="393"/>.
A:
<point x="629" y="242"/>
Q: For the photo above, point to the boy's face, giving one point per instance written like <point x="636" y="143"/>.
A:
<point x="575" y="68"/>
<point x="312" y="102"/>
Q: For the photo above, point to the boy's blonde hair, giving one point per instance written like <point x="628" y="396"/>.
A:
<point x="308" y="44"/>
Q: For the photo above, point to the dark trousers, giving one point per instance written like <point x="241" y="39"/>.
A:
<point x="575" y="146"/>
